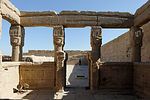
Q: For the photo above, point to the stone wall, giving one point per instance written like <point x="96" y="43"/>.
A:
<point x="145" y="53"/>
<point x="9" y="79"/>
<point x="40" y="76"/>
<point x="119" y="49"/>
<point x="142" y="80"/>
<point x="116" y="76"/>
<point x="49" y="53"/>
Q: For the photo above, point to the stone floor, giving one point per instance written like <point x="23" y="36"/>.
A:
<point x="73" y="94"/>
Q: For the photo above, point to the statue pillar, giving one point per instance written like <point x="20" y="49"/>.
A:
<point x="96" y="41"/>
<point x="17" y="33"/>
<point x="136" y="43"/>
<point x="60" y="56"/>
<point x="0" y="26"/>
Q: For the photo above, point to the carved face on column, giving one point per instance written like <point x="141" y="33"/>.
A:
<point x="139" y="36"/>
<point x="16" y="35"/>
<point x="96" y="36"/>
<point x="59" y="37"/>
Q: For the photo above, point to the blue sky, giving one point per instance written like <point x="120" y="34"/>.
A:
<point x="41" y="38"/>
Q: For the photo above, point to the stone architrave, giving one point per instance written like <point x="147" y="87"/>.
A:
<point x="96" y="41"/>
<point x="17" y="33"/>
<point x="60" y="56"/>
<point x="136" y="43"/>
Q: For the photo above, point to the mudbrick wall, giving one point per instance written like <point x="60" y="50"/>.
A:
<point x="119" y="49"/>
<point x="40" y="76"/>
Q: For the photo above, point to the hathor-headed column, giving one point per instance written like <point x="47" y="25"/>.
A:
<point x="136" y="43"/>
<point x="59" y="36"/>
<point x="17" y="33"/>
<point x="96" y="41"/>
<point x="0" y="26"/>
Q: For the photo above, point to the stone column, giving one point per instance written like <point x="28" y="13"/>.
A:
<point x="0" y="26"/>
<point x="17" y="33"/>
<point x="136" y="43"/>
<point x="59" y="36"/>
<point x="96" y="41"/>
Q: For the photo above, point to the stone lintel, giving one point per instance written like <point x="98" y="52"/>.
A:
<point x="142" y="18"/>
<point x="37" y="13"/>
<point x="10" y="12"/>
<point x="77" y="21"/>
<point x="140" y="10"/>
<point x="94" y="13"/>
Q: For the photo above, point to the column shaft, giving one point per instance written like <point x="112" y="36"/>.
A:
<point x="96" y="41"/>
<point x="0" y="26"/>
<point x="59" y="35"/>
<point x="17" y="41"/>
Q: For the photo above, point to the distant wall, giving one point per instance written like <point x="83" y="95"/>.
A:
<point x="49" y="53"/>
<point x="142" y="80"/>
<point x="39" y="76"/>
<point x="119" y="49"/>
<point x="116" y="76"/>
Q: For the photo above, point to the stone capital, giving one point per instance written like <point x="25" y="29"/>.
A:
<point x="96" y="36"/>
<point x="17" y="33"/>
<point x="137" y="35"/>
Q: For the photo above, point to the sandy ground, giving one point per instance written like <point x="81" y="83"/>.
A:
<point x="72" y="94"/>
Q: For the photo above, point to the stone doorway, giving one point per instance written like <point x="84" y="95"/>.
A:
<point x="77" y="70"/>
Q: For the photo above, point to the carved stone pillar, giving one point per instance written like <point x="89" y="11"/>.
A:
<point x="0" y="26"/>
<point x="96" y="41"/>
<point x="17" y="33"/>
<point x="136" y="43"/>
<point x="60" y="56"/>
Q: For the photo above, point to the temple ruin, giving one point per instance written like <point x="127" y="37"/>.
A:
<point x="132" y="75"/>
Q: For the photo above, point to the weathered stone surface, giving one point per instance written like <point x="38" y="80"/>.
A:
<point x="115" y="22"/>
<point x="9" y="79"/>
<point x="38" y="76"/>
<point x="142" y="80"/>
<point x="136" y="35"/>
<point x="10" y="12"/>
<point x="95" y="56"/>
<point x="142" y="15"/>
<point x="60" y="56"/>
<point x="17" y="41"/>
<point x="76" y="19"/>
<point x="117" y="50"/>
<point x="69" y="13"/>
<point x="143" y="18"/>
<point x="140" y="10"/>
<point x="145" y="50"/>
<point x="116" y="75"/>
<point x="0" y="26"/>
<point x="115" y="14"/>
<point x="38" y="13"/>
<point x="111" y="52"/>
